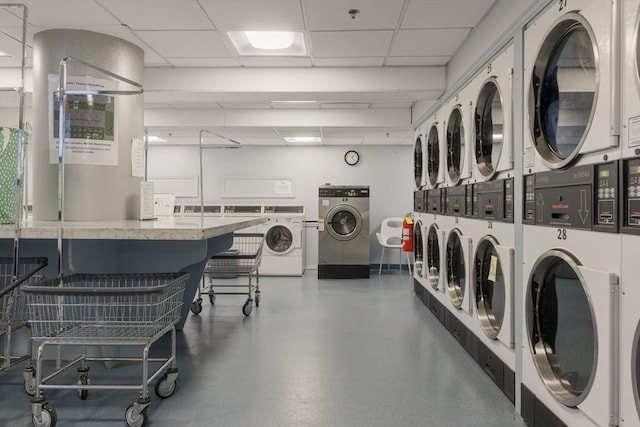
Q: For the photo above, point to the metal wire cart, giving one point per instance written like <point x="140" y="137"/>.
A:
<point x="13" y="311"/>
<point x="243" y="258"/>
<point x="109" y="309"/>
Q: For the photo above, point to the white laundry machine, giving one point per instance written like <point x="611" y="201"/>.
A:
<point x="435" y="151"/>
<point x="568" y="86"/>
<point x="457" y="139"/>
<point x="491" y="92"/>
<point x="418" y="160"/>
<point x="193" y="210"/>
<point x="630" y="84"/>
<point x="457" y="263"/>
<point x="630" y="295"/>
<point x="283" y="250"/>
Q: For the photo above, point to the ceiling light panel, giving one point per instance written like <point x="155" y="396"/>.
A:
<point x="159" y="14"/>
<point x="58" y="16"/>
<point x="330" y="15"/>
<point x="271" y="43"/>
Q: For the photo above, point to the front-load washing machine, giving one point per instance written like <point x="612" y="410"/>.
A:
<point x="568" y="86"/>
<point x="433" y="271"/>
<point x="570" y="321"/>
<point x="492" y="90"/>
<point x="283" y="250"/>
<point x="434" y="145"/>
<point x="457" y="263"/>
<point x="343" y="232"/>
<point x="418" y="250"/>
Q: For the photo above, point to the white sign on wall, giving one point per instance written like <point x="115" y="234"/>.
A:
<point x="90" y="123"/>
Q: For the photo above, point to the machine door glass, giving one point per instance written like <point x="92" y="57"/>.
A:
<point x="635" y="368"/>
<point x="279" y="239"/>
<point x="417" y="162"/>
<point x="343" y="222"/>
<point x="418" y="248"/>
<point x="433" y="155"/>
<point x="489" y="120"/>
<point x="490" y="287"/>
<point x="456" y="280"/>
<point x="455" y="145"/>
<point x="564" y="83"/>
<point x="561" y="327"/>
<point x="433" y="256"/>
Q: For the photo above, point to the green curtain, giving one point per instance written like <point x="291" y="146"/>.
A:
<point x="8" y="165"/>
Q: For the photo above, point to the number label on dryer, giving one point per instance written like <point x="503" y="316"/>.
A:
<point x="562" y="4"/>
<point x="489" y="225"/>
<point x="562" y="234"/>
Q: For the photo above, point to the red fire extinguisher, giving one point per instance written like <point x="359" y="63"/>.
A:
<point x="407" y="234"/>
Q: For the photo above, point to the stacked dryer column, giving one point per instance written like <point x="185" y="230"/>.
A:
<point x="572" y="247"/>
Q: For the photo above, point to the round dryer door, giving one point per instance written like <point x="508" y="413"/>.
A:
<point x="343" y="222"/>
<point x="433" y="256"/>
<point x="433" y="155"/>
<point x="489" y="121"/>
<point x="635" y="368"/>
<point x="417" y="162"/>
<point x="561" y="327"/>
<point x="564" y="86"/>
<point x="455" y="145"/>
<point x="279" y="239"/>
<point x="490" y="287"/>
<point x="456" y="280"/>
<point x="418" y="248"/>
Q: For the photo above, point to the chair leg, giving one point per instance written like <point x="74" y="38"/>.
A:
<point x="380" y="265"/>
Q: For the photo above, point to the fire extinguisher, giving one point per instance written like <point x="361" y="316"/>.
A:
<point x="407" y="234"/>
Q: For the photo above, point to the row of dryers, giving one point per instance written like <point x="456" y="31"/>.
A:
<point x="578" y="184"/>
<point x="283" y="252"/>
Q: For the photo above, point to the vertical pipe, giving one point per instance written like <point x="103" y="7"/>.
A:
<point x="61" y="98"/>
<point x="202" y="131"/>
<point x="615" y="67"/>
<point x="146" y="153"/>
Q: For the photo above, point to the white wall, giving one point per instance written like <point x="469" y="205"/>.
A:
<point x="388" y="170"/>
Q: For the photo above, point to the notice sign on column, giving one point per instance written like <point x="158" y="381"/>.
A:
<point x="90" y="123"/>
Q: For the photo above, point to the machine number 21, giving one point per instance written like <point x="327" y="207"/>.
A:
<point x="562" y="234"/>
<point x="562" y="4"/>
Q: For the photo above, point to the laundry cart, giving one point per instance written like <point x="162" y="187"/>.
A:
<point x="241" y="259"/>
<point x="94" y="310"/>
<point x="13" y="310"/>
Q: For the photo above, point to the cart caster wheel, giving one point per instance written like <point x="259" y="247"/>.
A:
<point x="257" y="298"/>
<point x="212" y="299"/>
<point x="196" y="306"/>
<point x="137" y="421"/>
<point x="247" y="308"/>
<point x="83" y="393"/>
<point x="29" y="381"/>
<point x="48" y="417"/>
<point x="165" y="388"/>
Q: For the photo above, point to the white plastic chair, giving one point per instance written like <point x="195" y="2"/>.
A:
<point x="390" y="237"/>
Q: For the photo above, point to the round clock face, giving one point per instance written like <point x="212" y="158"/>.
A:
<point x="351" y="157"/>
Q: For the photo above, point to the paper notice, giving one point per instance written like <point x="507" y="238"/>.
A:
<point x="634" y="131"/>
<point x="493" y="269"/>
<point x="146" y="200"/>
<point x="164" y="204"/>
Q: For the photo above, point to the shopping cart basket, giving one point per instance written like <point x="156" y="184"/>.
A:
<point x="13" y="310"/>
<point x="110" y="309"/>
<point x="242" y="259"/>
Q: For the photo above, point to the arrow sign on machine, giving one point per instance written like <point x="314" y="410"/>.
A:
<point x="583" y="211"/>
<point x="540" y="205"/>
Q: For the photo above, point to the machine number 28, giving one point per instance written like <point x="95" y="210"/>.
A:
<point x="562" y="234"/>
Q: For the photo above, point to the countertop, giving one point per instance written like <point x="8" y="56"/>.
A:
<point x="178" y="228"/>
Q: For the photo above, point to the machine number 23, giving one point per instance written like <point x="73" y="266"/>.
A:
<point x="562" y="234"/>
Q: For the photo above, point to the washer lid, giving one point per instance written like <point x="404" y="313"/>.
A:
<point x="561" y="327"/>
<point x="564" y="85"/>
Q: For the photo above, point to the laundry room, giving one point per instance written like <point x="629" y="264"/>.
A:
<point x="320" y="213"/>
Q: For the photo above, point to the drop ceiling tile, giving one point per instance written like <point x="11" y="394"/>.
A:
<point x="244" y="105"/>
<point x="349" y="62"/>
<point x="333" y="44"/>
<point x="255" y="15"/>
<point x="275" y="61"/>
<point x="196" y="106"/>
<point x="263" y="141"/>
<point x="285" y="132"/>
<point x="342" y="141"/>
<point x="440" y="42"/>
<point x="418" y="60"/>
<point x="326" y="15"/>
<point x="346" y="105"/>
<point x="203" y="62"/>
<point x="158" y="106"/>
<point x="253" y="132"/>
<point x="67" y="13"/>
<point x="392" y="104"/>
<point x="186" y="44"/>
<point x="11" y="16"/>
<point x="159" y="14"/>
<point x="445" y="13"/>
<point x="345" y="132"/>
<point x="157" y="97"/>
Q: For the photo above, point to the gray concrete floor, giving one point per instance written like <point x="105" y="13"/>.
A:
<point x="315" y="353"/>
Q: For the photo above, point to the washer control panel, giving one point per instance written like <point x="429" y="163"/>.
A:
<point x="455" y="201"/>
<point x="418" y="201"/>
<point x="494" y="200"/>
<point x="435" y="201"/>
<point x="631" y="196"/>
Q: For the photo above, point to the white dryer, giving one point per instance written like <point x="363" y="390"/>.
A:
<point x="491" y="92"/>
<point x="418" y="160"/>
<point x="568" y="86"/>
<point x="283" y="250"/>
<point x="457" y="139"/>
<point x="630" y="84"/>
<point x="435" y="152"/>
<point x="630" y="333"/>
<point x="570" y="296"/>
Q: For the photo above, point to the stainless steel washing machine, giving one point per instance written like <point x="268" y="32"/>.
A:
<point x="343" y="232"/>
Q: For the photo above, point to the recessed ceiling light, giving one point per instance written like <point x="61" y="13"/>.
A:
<point x="304" y="139"/>
<point x="278" y="43"/>
<point x="270" y="40"/>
